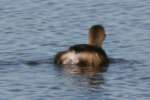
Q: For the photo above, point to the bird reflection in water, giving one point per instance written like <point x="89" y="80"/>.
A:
<point x="88" y="70"/>
<point x="89" y="76"/>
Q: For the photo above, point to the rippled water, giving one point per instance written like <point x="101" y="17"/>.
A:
<point x="32" y="31"/>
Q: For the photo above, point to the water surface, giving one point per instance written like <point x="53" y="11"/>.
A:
<point x="33" y="31"/>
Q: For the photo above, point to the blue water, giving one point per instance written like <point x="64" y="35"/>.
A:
<point x="33" y="31"/>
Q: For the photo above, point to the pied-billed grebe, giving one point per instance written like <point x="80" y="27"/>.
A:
<point x="90" y="54"/>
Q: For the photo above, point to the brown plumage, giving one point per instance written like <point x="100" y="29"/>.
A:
<point x="96" y="35"/>
<point x="90" y="54"/>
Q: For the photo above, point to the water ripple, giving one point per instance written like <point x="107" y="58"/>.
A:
<point x="33" y="31"/>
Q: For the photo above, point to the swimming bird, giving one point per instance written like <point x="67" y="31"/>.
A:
<point x="91" y="54"/>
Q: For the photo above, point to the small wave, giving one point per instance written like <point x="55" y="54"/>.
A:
<point x="27" y="62"/>
<point x="38" y="62"/>
<point x="8" y="63"/>
<point x="123" y="61"/>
